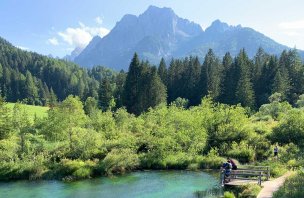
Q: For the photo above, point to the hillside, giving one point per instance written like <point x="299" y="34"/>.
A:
<point x="41" y="80"/>
<point x="159" y="32"/>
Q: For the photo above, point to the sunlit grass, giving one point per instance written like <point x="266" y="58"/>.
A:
<point x="33" y="111"/>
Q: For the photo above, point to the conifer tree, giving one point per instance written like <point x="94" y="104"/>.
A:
<point x="211" y="75"/>
<point x="244" y="91"/>
<point x="162" y="71"/>
<point x="105" y="94"/>
<point x="229" y="82"/>
<point x="132" y="86"/>
<point x="31" y="89"/>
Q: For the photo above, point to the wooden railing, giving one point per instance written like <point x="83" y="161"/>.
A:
<point x="252" y="173"/>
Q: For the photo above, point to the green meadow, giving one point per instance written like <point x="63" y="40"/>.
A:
<point x="31" y="110"/>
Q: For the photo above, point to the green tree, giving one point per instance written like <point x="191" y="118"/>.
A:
<point x="21" y="123"/>
<point x="90" y="106"/>
<point x="156" y="90"/>
<point x="244" y="91"/>
<point x="105" y="94"/>
<point x="290" y="129"/>
<point x="162" y="71"/>
<point x="132" y="86"/>
<point x="5" y="120"/>
<point x="63" y="118"/>
<point x="211" y="75"/>
<point x="31" y="90"/>
<point x="229" y="82"/>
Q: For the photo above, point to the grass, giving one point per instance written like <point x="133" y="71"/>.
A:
<point x="32" y="110"/>
<point x="293" y="187"/>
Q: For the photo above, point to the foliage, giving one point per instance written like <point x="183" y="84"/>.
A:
<point x="250" y="191"/>
<point x="292" y="187"/>
<point x="119" y="161"/>
<point x="211" y="161"/>
<point x="69" y="144"/>
<point x="242" y="152"/>
<point x="229" y="195"/>
<point x="290" y="129"/>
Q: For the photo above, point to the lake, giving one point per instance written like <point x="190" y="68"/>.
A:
<point x="143" y="184"/>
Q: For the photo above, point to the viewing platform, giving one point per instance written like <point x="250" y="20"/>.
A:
<point x="246" y="175"/>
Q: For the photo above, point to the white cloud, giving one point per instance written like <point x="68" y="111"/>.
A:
<point x="23" y="48"/>
<point x="82" y="35"/>
<point x="98" y="20"/>
<point x="292" y="25"/>
<point x="53" y="41"/>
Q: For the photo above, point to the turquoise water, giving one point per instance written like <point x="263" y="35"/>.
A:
<point x="138" y="184"/>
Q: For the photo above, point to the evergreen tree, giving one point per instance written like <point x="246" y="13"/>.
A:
<point x="31" y="90"/>
<point x="175" y="79"/>
<point x="261" y="59"/>
<point x="5" y="120"/>
<point x="244" y="91"/>
<point x="105" y="94"/>
<point x="229" y="82"/>
<point x="281" y="83"/>
<point x="53" y="99"/>
<point x="162" y="71"/>
<point x="154" y="92"/>
<point x="211" y="76"/>
<point x="294" y="67"/>
<point x="132" y="86"/>
<point x="119" y="91"/>
<point x="266" y="80"/>
<point x="191" y="81"/>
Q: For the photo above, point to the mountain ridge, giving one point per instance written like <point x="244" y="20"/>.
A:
<point x="160" y="33"/>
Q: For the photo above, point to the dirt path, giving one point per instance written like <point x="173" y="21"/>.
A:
<point x="270" y="187"/>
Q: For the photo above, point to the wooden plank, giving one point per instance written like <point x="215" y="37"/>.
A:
<point x="248" y="174"/>
<point x="241" y="182"/>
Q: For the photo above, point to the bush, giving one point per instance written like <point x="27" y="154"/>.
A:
<point x="292" y="188"/>
<point x="75" y="169"/>
<point x="288" y="152"/>
<point x="119" y="161"/>
<point x="229" y="195"/>
<point x="250" y="191"/>
<point x="178" y="161"/>
<point x="290" y="129"/>
<point x="242" y="152"/>
<point x="276" y="168"/>
<point x="211" y="161"/>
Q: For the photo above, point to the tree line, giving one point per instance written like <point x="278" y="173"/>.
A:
<point x="36" y="79"/>
<point x="238" y="80"/>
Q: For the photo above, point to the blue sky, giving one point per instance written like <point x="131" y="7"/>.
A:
<point x="58" y="26"/>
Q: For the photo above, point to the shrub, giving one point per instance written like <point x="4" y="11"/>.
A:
<point x="229" y="195"/>
<point x="276" y="168"/>
<point x="75" y="169"/>
<point x="211" y="161"/>
<point x="250" y="191"/>
<point x="292" y="188"/>
<point x="119" y="161"/>
<point x="178" y="161"/>
<point x="242" y="152"/>
<point x="290" y="129"/>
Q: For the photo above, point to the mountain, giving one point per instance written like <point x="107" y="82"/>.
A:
<point x="159" y="32"/>
<point x="73" y="54"/>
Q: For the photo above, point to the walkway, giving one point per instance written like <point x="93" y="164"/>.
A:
<point x="269" y="187"/>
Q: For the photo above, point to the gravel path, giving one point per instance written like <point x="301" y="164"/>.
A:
<point x="269" y="187"/>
